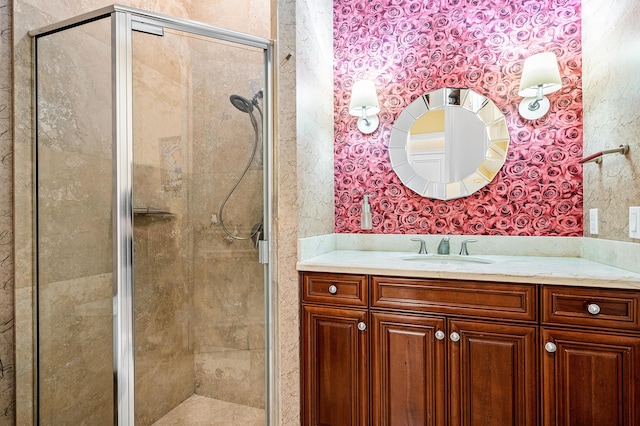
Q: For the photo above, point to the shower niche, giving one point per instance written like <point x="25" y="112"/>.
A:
<point x="146" y="307"/>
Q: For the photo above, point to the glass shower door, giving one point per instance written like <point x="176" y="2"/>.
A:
<point x="151" y="203"/>
<point x="74" y="290"/>
<point x="199" y="290"/>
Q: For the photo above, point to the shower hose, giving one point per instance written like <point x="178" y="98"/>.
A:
<point x="246" y="106"/>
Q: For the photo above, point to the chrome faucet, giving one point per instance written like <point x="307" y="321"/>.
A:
<point x="443" y="247"/>
<point x="423" y="245"/>
<point x="463" y="247"/>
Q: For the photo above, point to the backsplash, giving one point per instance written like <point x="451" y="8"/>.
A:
<point x="418" y="46"/>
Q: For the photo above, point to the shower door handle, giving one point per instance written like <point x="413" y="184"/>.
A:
<point x="263" y="252"/>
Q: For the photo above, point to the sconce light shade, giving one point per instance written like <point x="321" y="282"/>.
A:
<point x="540" y="76"/>
<point x="364" y="104"/>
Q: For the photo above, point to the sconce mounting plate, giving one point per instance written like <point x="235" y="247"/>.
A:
<point x="368" y="125"/>
<point x="529" y="111"/>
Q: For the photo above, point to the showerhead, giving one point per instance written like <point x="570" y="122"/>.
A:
<point x="243" y="104"/>
<point x="257" y="96"/>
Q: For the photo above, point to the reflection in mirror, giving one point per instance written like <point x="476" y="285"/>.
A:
<point x="449" y="143"/>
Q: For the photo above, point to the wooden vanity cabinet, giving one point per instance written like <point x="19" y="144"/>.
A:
<point x="401" y="351"/>
<point x="492" y="374"/>
<point x="408" y="369"/>
<point x="335" y="367"/>
<point x="442" y="352"/>
<point x="335" y="346"/>
<point x="591" y="357"/>
<point x="490" y="369"/>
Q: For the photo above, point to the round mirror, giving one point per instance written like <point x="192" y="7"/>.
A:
<point x="449" y="143"/>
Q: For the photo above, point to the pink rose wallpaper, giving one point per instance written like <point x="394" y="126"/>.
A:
<point x="409" y="47"/>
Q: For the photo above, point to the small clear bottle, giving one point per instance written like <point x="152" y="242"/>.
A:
<point x="365" y="217"/>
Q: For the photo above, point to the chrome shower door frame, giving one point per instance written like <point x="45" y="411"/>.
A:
<point x="124" y="20"/>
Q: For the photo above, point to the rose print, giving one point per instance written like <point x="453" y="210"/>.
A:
<point x="416" y="46"/>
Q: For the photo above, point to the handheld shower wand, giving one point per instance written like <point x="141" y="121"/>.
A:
<point x="245" y="105"/>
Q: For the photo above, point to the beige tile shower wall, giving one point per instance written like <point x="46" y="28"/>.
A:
<point x="74" y="194"/>
<point x="7" y="359"/>
<point x="75" y="153"/>
<point x="76" y="361"/>
<point x="611" y="59"/>
<point x="229" y="325"/>
<point x="247" y="16"/>
<point x="228" y="305"/>
<point x="163" y="297"/>
<point x="24" y="19"/>
<point x="163" y="280"/>
<point x="75" y="301"/>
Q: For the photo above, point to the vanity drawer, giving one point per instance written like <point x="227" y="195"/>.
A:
<point x="589" y="307"/>
<point x="334" y="289"/>
<point x="452" y="297"/>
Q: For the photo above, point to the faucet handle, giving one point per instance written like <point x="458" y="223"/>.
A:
<point x="463" y="247"/>
<point x="423" y="245"/>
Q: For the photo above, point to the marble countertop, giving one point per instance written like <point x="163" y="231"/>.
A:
<point x="522" y="269"/>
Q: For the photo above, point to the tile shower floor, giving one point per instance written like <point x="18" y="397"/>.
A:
<point x="200" y="411"/>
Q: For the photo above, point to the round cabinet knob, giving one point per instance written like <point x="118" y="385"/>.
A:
<point x="362" y="326"/>
<point x="454" y="337"/>
<point x="333" y="289"/>
<point x="439" y="334"/>
<point x="593" y="308"/>
<point x="550" y="347"/>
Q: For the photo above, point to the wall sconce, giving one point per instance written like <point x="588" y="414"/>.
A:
<point x="540" y="76"/>
<point x="364" y="104"/>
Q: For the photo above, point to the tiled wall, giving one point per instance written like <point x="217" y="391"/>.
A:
<point x="74" y="228"/>
<point x="414" y="47"/>
<point x="314" y="112"/>
<point x="611" y="118"/>
<point x="7" y="370"/>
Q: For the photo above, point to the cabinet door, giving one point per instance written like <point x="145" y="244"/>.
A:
<point x="492" y="374"/>
<point x="408" y="370"/>
<point x="590" y="378"/>
<point x="334" y="366"/>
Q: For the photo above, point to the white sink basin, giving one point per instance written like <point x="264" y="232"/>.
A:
<point x="445" y="258"/>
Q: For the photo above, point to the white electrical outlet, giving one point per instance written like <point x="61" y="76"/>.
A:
<point x="593" y="221"/>
<point x="634" y="222"/>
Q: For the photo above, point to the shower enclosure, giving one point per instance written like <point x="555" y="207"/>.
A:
<point x="153" y="146"/>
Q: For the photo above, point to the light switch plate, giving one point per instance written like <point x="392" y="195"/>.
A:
<point x="634" y="222"/>
<point x="593" y="221"/>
